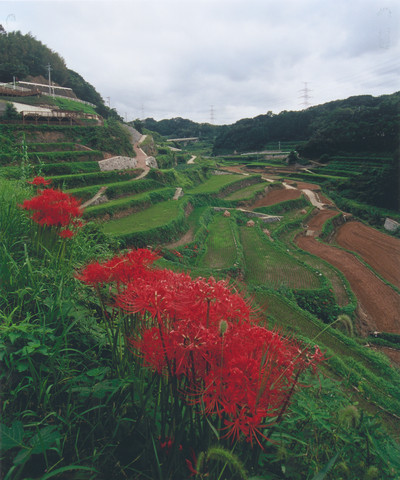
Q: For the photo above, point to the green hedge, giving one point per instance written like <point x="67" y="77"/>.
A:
<point x="116" y="190"/>
<point x="137" y="202"/>
<point x="95" y="178"/>
<point x="329" y="226"/>
<point x="71" y="156"/>
<point x="67" y="168"/>
<point x="373" y="215"/>
<point x="285" y="206"/>
<point x="51" y="147"/>
<point x="186" y="177"/>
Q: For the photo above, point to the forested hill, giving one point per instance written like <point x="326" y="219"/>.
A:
<point x="358" y="124"/>
<point x="23" y="56"/>
<point x="180" y="128"/>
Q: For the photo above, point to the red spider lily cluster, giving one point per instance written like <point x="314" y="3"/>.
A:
<point x="38" y="181"/>
<point x="206" y="336"/>
<point x="55" y="208"/>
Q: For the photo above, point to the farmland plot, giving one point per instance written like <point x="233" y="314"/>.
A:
<point x="220" y="245"/>
<point x="268" y="265"/>
<point x="215" y="184"/>
<point x="155" y="216"/>
<point x="247" y="192"/>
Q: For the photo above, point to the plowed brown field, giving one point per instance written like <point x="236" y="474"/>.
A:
<point x="379" y="250"/>
<point x="317" y="221"/>
<point x="378" y="304"/>
<point x="276" y="196"/>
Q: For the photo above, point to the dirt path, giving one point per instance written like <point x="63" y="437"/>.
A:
<point x="141" y="158"/>
<point x="187" y="238"/>
<point x="379" y="250"/>
<point x="379" y="304"/>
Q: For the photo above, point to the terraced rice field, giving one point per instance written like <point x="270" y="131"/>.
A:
<point x="268" y="265"/>
<point x="247" y="192"/>
<point x="215" y="184"/>
<point x="153" y="217"/>
<point x="221" y="249"/>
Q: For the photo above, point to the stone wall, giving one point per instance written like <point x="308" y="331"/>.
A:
<point x="117" y="163"/>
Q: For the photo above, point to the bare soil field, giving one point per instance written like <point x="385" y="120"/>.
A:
<point x="276" y="196"/>
<point x="317" y="221"/>
<point x="304" y="185"/>
<point x="378" y="304"/>
<point x="380" y="251"/>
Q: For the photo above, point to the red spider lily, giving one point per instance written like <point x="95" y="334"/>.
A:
<point x="67" y="233"/>
<point x="120" y="269"/>
<point x="245" y="376"/>
<point x="94" y="274"/>
<point x="37" y="181"/>
<point x="249" y="425"/>
<point x="201" y="332"/>
<point x="53" y="208"/>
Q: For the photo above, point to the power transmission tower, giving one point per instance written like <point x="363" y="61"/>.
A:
<point x="212" y="114"/>
<point x="305" y="95"/>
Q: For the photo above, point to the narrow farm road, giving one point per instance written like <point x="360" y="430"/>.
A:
<point x="141" y="158"/>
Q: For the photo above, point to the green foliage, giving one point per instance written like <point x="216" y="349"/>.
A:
<point x="11" y="113"/>
<point x="111" y="137"/>
<point x="320" y="303"/>
<point x="336" y="438"/>
<point x="130" y="204"/>
<point x="373" y="215"/>
<point x="81" y="179"/>
<point x="22" y="55"/>
<point x="282" y="207"/>
<point x="72" y="106"/>
<point x="181" y="128"/>
<point x="248" y="194"/>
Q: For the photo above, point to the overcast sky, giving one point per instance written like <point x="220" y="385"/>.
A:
<point x="219" y="60"/>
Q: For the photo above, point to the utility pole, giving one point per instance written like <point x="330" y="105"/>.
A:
<point x="49" y="69"/>
<point x="109" y="102"/>
<point x="305" y="95"/>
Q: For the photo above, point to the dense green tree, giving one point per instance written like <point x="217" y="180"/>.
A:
<point x="22" y="55"/>
<point x="10" y="113"/>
